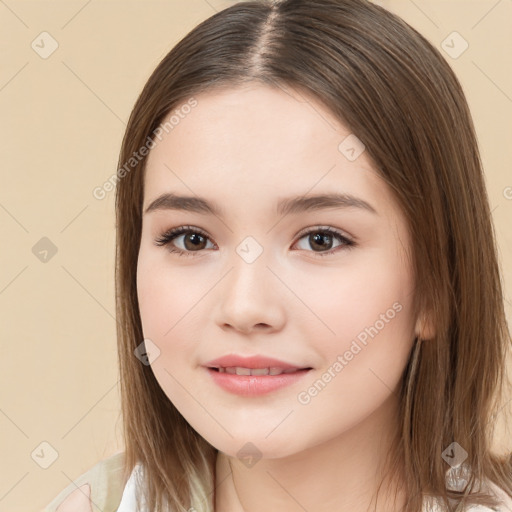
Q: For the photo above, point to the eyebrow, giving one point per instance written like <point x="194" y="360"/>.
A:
<point x="286" y="206"/>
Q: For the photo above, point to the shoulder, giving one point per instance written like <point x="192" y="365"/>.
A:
<point x="78" y="501"/>
<point x="102" y="485"/>
<point x="505" y="499"/>
<point x="456" y="479"/>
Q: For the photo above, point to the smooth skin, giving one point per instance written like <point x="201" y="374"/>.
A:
<point x="245" y="149"/>
<point x="78" y="501"/>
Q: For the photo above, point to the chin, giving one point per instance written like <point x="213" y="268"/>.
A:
<point x="254" y="448"/>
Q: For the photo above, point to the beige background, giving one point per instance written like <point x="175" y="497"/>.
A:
<point x="63" y="118"/>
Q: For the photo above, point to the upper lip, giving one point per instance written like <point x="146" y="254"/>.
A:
<point x="252" y="362"/>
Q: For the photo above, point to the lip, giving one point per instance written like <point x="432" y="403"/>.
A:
<point x="253" y="385"/>
<point x="251" y="362"/>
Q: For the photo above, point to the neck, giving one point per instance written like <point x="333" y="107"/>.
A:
<point x="341" y="474"/>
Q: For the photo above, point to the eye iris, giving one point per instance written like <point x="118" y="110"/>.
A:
<point x="315" y="238"/>
<point x="195" y="238"/>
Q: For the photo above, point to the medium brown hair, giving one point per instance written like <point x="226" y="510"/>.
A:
<point x="393" y="90"/>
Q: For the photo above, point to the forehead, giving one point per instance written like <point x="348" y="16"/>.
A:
<point x="256" y="141"/>
<point x="252" y="122"/>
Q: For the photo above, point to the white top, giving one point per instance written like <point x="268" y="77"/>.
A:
<point x="128" y="502"/>
<point x="454" y="480"/>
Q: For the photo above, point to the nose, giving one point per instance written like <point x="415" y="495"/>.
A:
<point x="250" y="298"/>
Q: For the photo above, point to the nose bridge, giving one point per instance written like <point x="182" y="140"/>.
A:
<point x="250" y="250"/>
<point x="249" y="265"/>
<point x="248" y="297"/>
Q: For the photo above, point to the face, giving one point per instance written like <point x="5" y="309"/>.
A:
<point x="327" y="287"/>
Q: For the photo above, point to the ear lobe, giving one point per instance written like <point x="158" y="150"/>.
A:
<point x="425" y="328"/>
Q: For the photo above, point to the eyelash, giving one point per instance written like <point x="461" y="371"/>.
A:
<point x="167" y="237"/>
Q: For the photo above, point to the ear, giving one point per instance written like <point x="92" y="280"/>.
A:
<point x="425" y="328"/>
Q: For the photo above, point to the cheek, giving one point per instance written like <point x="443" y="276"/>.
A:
<point x="166" y="299"/>
<point x="166" y="296"/>
<point x="364" y="312"/>
<point x="366" y="348"/>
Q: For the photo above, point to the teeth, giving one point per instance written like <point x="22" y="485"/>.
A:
<point x="260" y="371"/>
<point x="239" y="370"/>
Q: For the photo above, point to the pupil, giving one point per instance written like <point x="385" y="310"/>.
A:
<point x="319" y="236"/>
<point x="194" y="238"/>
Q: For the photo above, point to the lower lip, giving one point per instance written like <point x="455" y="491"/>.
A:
<point x="254" y="385"/>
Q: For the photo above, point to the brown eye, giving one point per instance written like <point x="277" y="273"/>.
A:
<point x="321" y="240"/>
<point x="193" y="240"/>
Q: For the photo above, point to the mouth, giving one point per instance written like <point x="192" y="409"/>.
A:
<point x="252" y="382"/>
<point x="270" y="371"/>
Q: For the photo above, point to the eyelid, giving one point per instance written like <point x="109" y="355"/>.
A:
<point x="329" y="229"/>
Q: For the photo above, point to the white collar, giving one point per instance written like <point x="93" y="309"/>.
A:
<point x="128" y="502"/>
